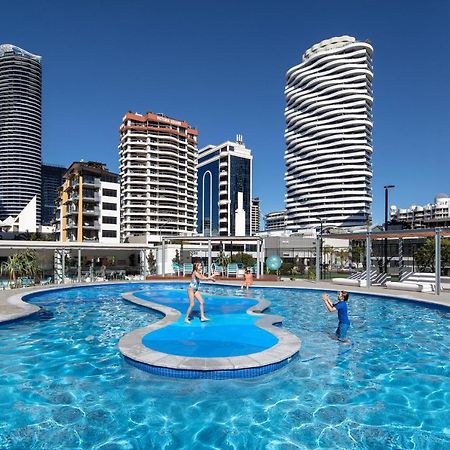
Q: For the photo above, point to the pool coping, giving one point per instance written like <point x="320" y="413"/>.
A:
<point x="131" y="346"/>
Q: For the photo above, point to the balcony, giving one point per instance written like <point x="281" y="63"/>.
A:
<point x="91" y="198"/>
<point x="91" y="225"/>
<point x="91" y="182"/>
<point x="91" y="211"/>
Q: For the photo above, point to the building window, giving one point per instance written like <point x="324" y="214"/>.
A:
<point x="109" y="219"/>
<point x="109" y="233"/>
<point x="109" y="192"/>
<point x="109" y="206"/>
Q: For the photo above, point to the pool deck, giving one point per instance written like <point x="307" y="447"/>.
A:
<point x="12" y="307"/>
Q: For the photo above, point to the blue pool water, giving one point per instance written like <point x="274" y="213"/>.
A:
<point x="230" y="331"/>
<point x="65" y="385"/>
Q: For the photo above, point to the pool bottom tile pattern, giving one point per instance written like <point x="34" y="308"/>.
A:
<point x="237" y="342"/>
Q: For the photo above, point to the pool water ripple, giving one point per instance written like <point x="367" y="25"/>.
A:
<point x="390" y="389"/>
<point x="231" y="331"/>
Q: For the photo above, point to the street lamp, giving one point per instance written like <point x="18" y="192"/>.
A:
<point x="386" y="201"/>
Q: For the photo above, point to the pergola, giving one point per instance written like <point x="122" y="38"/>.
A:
<point x="369" y="235"/>
<point x="94" y="249"/>
<point x="259" y="241"/>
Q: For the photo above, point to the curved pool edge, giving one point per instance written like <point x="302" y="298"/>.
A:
<point x="254" y="364"/>
<point x="16" y="299"/>
<point x="13" y="308"/>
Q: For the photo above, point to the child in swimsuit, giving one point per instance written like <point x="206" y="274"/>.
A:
<point x="248" y="279"/>
<point x="193" y="293"/>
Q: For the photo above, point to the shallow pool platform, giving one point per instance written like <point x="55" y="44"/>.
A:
<point x="237" y="342"/>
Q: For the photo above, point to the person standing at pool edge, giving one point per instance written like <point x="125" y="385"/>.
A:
<point x="248" y="279"/>
<point x="193" y="293"/>
<point x="341" y="308"/>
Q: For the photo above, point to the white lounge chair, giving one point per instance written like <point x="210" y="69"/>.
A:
<point x="418" y="282"/>
<point x="356" y="279"/>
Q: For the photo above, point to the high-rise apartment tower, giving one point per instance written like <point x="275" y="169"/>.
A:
<point x="329" y="135"/>
<point x="20" y="130"/>
<point x="88" y="204"/>
<point x="158" y="177"/>
<point x="256" y="215"/>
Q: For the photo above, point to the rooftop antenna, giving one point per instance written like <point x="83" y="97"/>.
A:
<point x="239" y="139"/>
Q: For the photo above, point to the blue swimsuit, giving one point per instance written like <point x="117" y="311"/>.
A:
<point x="194" y="284"/>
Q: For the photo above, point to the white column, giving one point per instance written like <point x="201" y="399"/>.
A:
<point x="368" y="258"/>
<point x="258" y="259"/>
<point x="163" y="257"/>
<point x="262" y="257"/>
<point x="318" y="255"/>
<point x="63" y="266"/>
<point x="437" y="264"/>
<point x="79" y="265"/>
<point x="209" y="257"/>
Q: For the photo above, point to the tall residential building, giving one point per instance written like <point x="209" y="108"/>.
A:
<point x="276" y="220"/>
<point x="256" y="215"/>
<point x="158" y="157"/>
<point x="89" y="202"/>
<point x="225" y="189"/>
<point x="20" y="130"/>
<point x="52" y="178"/>
<point x="329" y="135"/>
<point x="431" y="215"/>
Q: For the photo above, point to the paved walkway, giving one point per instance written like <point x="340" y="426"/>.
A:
<point x="12" y="307"/>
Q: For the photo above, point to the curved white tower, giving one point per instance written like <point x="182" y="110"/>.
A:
<point x="20" y="130"/>
<point x="329" y="135"/>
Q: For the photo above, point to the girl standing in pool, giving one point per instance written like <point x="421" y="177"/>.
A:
<point x="193" y="293"/>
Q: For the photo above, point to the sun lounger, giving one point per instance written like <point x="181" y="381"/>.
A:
<point x="48" y="280"/>
<point x="354" y="279"/>
<point x="418" y="282"/>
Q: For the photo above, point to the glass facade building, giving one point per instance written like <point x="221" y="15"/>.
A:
<point x="225" y="189"/>
<point x="52" y="179"/>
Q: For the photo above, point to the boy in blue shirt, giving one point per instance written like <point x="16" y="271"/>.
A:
<point x="341" y="308"/>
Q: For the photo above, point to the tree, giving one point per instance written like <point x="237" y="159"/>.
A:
<point x="425" y="255"/>
<point x="223" y="259"/>
<point x="357" y="250"/>
<point x="177" y="259"/>
<point x="22" y="263"/>
<point x="151" y="262"/>
<point x="244" y="258"/>
<point x="328" y="250"/>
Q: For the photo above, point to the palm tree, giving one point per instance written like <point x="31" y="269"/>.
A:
<point x="23" y="263"/>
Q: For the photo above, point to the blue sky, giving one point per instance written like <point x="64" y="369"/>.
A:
<point x="221" y="66"/>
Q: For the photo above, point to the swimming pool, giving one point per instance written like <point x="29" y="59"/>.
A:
<point x="64" y="383"/>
